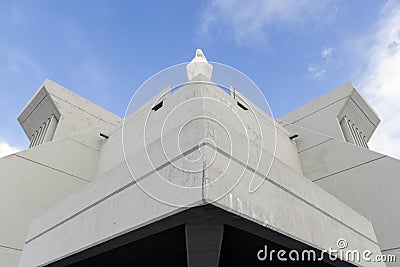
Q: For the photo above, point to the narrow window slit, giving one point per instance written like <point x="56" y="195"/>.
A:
<point x="158" y="106"/>
<point x="242" y="106"/>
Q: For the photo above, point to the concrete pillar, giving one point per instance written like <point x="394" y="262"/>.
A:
<point x="34" y="139"/>
<point x="44" y="127"/>
<point x="358" y="137"/>
<point x="351" y="135"/>
<point x="353" y="132"/>
<point x="364" y="144"/>
<point x="365" y="141"/>
<point x="37" y="141"/>
<point x="344" y="123"/>
<point x="203" y="244"/>
<point x="52" y="124"/>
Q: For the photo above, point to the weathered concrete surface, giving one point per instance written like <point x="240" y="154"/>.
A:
<point x="70" y="112"/>
<point x="212" y="159"/>
<point x="325" y="114"/>
<point x="37" y="178"/>
<point x="201" y="145"/>
<point x="363" y="179"/>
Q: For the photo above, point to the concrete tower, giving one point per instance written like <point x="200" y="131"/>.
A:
<point x="171" y="184"/>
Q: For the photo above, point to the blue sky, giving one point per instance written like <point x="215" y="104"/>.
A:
<point x="294" y="51"/>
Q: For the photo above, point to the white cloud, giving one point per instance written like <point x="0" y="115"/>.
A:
<point x="381" y="81"/>
<point x="326" y="52"/>
<point x="318" y="70"/>
<point x="7" y="149"/>
<point x="248" y="20"/>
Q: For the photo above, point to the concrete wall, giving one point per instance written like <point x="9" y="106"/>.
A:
<point x="325" y="114"/>
<point x="72" y="113"/>
<point x="212" y="158"/>
<point x="365" y="180"/>
<point x="37" y="178"/>
<point x="199" y="147"/>
<point x="77" y="113"/>
<point x="29" y="186"/>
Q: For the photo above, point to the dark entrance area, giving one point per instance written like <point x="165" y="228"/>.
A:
<point x="167" y="248"/>
<point x="202" y="236"/>
<point x="240" y="248"/>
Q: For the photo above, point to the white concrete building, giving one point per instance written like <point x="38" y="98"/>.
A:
<point x="90" y="192"/>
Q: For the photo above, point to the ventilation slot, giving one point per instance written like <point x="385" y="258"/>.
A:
<point x="158" y="106"/>
<point x="352" y="133"/>
<point x="242" y="106"/>
<point x="45" y="132"/>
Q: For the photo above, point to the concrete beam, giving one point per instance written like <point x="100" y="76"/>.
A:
<point x="203" y="244"/>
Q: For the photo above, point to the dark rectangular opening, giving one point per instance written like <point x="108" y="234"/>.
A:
<point x="158" y="106"/>
<point x="242" y="106"/>
<point x="166" y="248"/>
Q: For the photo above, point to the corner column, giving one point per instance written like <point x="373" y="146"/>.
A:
<point x="203" y="244"/>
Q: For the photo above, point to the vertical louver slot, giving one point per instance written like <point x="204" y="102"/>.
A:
<point x="45" y="133"/>
<point x="352" y="133"/>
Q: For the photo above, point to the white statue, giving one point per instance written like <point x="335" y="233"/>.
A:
<point x="199" y="65"/>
